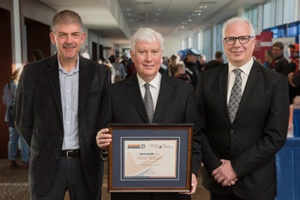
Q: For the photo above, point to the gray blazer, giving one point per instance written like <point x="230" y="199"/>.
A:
<point x="38" y="118"/>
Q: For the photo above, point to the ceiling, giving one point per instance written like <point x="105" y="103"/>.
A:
<point x="172" y="18"/>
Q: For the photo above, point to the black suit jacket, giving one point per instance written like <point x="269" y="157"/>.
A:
<point x="176" y="104"/>
<point x="257" y="133"/>
<point x="39" y="120"/>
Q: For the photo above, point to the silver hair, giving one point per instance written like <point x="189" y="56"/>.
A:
<point x="238" y="20"/>
<point x="146" y="35"/>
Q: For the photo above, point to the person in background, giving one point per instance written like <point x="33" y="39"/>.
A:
<point x="57" y="110"/>
<point x="294" y="64"/>
<point x="113" y="72"/>
<point x="179" y="71"/>
<point x="37" y="55"/>
<point x="168" y="100"/>
<point x="216" y="62"/>
<point x="269" y="58"/>
<point x="172" y="60"/>
<point x="244" y="110"/>
<point x="294" y="88"/>
<point x="202" y="62"/>
<point x="9" y="94"/>
<point x="280" y="63"/>
<point x="100" y="61"/>
<point x="191" y="66"/>
<point x="120" y="70"/>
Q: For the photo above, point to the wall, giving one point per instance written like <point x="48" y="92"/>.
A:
<point x="171" y="46"/>
<point x="6" y="71"/>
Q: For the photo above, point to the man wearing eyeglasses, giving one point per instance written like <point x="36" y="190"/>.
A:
<point x="280" y="63"/>
<point x="244" y="111"/>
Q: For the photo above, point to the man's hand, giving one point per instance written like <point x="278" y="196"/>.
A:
<point x="290" y="79"/>
<point x="103" y="139"/>
<point x="194" y="185"/>
<point x="225" y="174"/>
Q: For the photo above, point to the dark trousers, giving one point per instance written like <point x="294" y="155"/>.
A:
<point x="69" y="176"/>
<point x="214" y="196"/>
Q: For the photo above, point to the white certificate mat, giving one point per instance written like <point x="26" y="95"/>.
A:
<point x="156" y="158"/>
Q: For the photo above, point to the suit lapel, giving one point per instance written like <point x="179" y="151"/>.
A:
<point x="53" y="77"/>
<point x="252" y="81"/>
<point x="223" y="82"/>
<point x="85" y="76"/>
<point x="165" y="92"/>
<point x="134" y="94"/>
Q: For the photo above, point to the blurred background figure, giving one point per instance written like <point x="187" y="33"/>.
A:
<point x="179" y="71"/>
<point x="120" y="70"/>
<point x="113" y="72"/>
<point x="269" y="58"/>
<point x="37" y="55"/>
<point x="100" y="61"/>
<point x="85" y="55"/>
<point x="202" y="62"/>
<point x="280" y="63"/>
<point x="192" y="68"/>
<point x="216" y="62"/>
<point x="172" y="60"/>
<point x="9" y="93"/>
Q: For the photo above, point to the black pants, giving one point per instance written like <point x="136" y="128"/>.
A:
<point x="69" y="176"/>
<point x="214" y="196"/>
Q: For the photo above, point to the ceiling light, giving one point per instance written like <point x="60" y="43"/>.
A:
<point x="196" y="10"/>
<point x="205" y="6"/>
<point x="128" y="9"/>
<point x="156" y="20"/>
<point x="159" y="9"/>
<point x="129" y="14"/>
<point x="201" y="6"/>
<point x="157" y="13"/>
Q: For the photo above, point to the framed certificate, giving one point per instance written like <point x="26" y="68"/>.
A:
<point x="150" y="157"/>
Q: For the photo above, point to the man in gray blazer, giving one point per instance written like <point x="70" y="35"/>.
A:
<point x="57" y="113"/>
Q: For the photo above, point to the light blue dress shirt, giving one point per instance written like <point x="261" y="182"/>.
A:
<point x="69" y="89"/>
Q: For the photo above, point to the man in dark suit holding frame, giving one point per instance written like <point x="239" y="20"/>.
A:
<point x="171" y="101"/>
<point x="244" y="112"/>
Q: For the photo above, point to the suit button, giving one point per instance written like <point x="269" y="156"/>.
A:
<point x="57" y="157"/>
<point x="231" y="131"/>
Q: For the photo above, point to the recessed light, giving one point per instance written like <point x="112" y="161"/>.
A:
<point x="157" y="13"/>
<point x="201" y="6"/>
<point x="129" y="14"/>
<point x="196" y="10"/>
<point x="205" y="6"/>
<point x="128" y="9"/>
<point x="156" y="20"/>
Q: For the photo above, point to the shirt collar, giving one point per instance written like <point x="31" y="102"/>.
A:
<point x="76" y="68"/>
<point x="245" y="68"/>
<point x="154" y="83"/>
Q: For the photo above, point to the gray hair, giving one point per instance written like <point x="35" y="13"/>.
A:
<point x="146" y="35"/>
<point x="66" y="17"/>
<point x="238" y="20"/>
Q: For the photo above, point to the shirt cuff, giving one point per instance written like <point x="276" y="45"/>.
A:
<point x="104" y="155"/>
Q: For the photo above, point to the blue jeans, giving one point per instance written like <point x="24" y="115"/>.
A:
<point x="13" y="145"/>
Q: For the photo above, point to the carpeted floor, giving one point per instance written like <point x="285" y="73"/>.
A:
<point x="14" y="185"/>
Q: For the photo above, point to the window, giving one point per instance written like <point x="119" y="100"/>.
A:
<point x="266" y="15"/>
<point x="288" y="11"/>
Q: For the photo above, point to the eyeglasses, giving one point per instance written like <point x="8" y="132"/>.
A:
<point x="242" y="39"/>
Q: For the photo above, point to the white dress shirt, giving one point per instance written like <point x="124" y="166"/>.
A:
<point x="154" y="87"/>
<point x="231" y="76"/>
